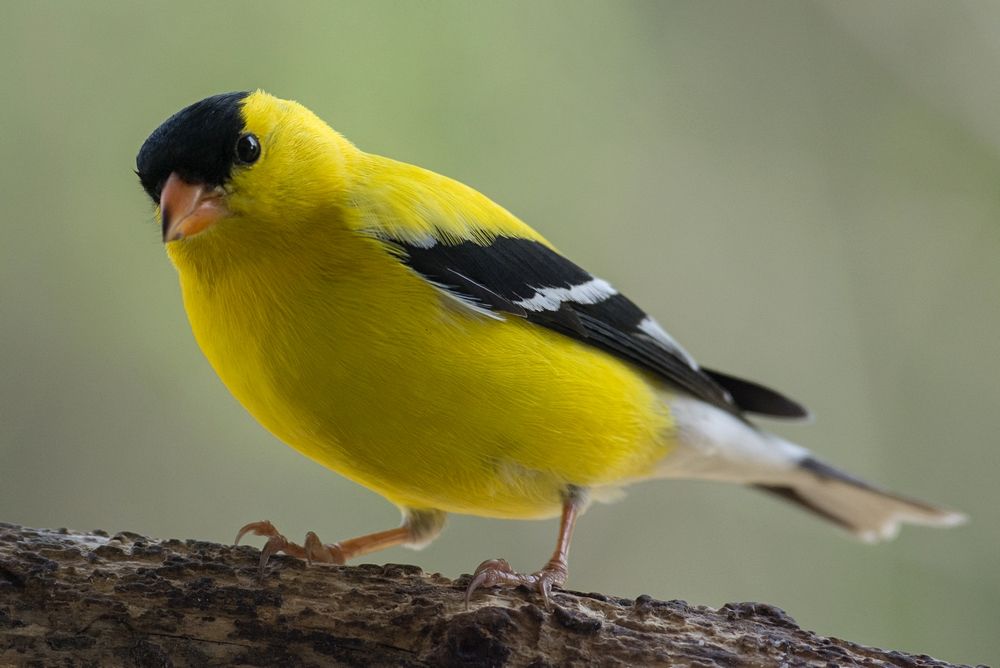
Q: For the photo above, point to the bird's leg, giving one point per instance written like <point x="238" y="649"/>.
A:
<point x="419" y="528"/>
<point x="498" y="573"/>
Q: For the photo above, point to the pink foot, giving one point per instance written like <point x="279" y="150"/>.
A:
<point x="314" y="549"/>
<point x="498" y="573"/>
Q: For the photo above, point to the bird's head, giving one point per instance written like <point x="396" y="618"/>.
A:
<point x="240" y="164"/>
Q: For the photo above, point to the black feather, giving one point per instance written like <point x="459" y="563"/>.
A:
<point x="197" y="142"/>
<point x="510" y="270"/>
<point x="755" y="398"/>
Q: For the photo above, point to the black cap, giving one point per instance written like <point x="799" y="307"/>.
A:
<point x="197" y="142"/>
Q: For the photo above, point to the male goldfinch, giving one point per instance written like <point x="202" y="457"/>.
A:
<point x="407" y="332"/>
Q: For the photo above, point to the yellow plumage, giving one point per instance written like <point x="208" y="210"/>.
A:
<point x="349" y="357"/>
<point x="407" y="332"/>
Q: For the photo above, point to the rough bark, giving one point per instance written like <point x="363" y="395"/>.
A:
<point x="69" y="598"/>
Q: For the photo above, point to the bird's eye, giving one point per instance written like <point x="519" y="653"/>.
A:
<point x="247" y="149"/>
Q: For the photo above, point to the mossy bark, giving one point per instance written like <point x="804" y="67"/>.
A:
<point x="69" y="598"/>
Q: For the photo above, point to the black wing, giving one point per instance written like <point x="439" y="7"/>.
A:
<point x="527" y="279"/>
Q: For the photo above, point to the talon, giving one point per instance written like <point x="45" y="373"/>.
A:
<point x="545" y="588"/>
<point x="264" y="528"/>
<point x="484" y="576"/>
<point x="549" y="577"/>
<point x="494" y="565"/>
<point x="491" y="573"/>
<point x="479" y="579"/>
<point x="497" y="572"/>
<point x="312" y="546"/>
<point x="275" y="541"/>
<point x="273" y="545"/>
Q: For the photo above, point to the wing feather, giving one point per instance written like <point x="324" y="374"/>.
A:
<point x="527" y="279"/>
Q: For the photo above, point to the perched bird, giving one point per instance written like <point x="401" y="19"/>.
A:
<point x="405" y="331"/>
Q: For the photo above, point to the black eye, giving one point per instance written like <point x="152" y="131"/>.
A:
<point x="247" y="149"/>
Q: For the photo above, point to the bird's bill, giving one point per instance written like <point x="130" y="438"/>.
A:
<point x="189" y="208"/>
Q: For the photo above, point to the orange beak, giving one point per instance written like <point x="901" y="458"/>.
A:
<point x="189" y="208"/>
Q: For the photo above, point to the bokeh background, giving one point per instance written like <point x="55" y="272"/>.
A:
<point x="805" y="193"/>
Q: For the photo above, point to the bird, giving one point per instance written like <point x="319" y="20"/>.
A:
<point x="405" y="331"/>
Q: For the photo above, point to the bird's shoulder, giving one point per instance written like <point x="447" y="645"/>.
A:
<point x="397" y="200"/>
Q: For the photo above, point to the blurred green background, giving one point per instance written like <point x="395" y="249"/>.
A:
<point x="805" y="193"/>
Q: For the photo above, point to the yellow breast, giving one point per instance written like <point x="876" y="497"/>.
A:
<point x="346" y="355"/>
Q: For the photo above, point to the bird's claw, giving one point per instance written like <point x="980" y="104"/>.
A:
<point x="263" y="528"/>
<point x="313" y="550"/>
<point x="498" y="573"/>
<point x="274" y="545"/>
<point x="275" y="542"/>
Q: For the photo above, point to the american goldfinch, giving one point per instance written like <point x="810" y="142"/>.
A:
<point x="405" y="331"/>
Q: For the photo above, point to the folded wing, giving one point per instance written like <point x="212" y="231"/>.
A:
<point x="511" y="276"/>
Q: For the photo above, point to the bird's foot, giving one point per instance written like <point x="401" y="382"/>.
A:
<point x="312" y="550"/>
<point x="498" y="573"/>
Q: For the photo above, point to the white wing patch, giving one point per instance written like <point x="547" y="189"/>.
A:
<point x="550" y="299"/>
<point x="652" y="329"/>
<point x="466" y="302"/>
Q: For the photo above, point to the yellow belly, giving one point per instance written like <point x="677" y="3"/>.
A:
<point x="376" y="375"/>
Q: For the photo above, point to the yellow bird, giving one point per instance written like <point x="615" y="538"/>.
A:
<point x="407" y="332"/>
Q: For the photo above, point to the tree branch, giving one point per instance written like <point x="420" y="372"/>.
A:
<point x="77" y="599"/>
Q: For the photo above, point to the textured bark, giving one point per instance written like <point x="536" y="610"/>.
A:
<point x="68" y="598"/>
